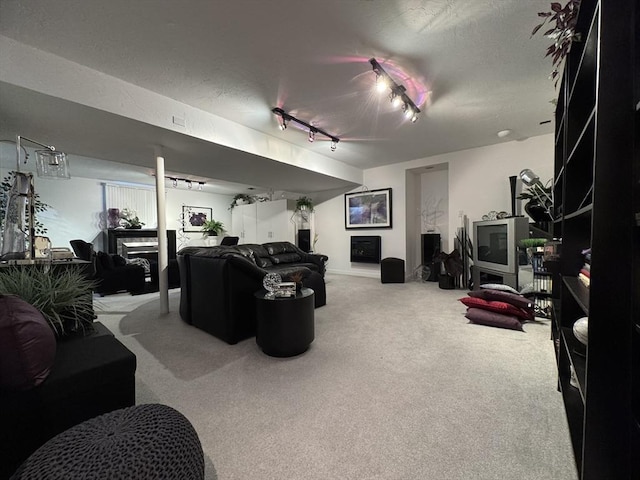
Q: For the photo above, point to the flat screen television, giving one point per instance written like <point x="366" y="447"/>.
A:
<point x="495" y="243"/>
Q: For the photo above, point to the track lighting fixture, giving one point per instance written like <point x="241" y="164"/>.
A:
<point x="285" y="117"/>
<point x="187" y="182"/>
<point x="398" y="95"/>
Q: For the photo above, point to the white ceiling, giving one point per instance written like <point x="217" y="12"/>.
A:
<point x="474" y="61"/>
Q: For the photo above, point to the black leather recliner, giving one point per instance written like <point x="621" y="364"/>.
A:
<point x="112" y="273"/>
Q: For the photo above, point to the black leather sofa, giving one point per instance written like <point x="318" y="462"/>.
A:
<point x="218" y="283"/>
<point x="90" y="376"/>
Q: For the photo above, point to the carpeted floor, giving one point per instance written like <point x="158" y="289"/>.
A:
<point x="397" y="385"/>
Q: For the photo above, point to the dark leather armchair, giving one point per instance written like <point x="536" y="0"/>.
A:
<point x="229" y="241"/>
<point x="112" y="273"/>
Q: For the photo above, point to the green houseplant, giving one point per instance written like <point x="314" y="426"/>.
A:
<point x="241" y="199"/>
<point x="304" y="204"/>
<point x="63" y="295"/>
<point x="212" y="227"/>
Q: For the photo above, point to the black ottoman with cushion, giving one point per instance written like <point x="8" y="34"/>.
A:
<point x="150" y="441"/>
<point x="392" y="270"/>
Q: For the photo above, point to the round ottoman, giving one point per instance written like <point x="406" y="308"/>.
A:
<point x="149" y="441"/>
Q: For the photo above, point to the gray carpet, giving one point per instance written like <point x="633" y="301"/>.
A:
<point x="397" y="385"/>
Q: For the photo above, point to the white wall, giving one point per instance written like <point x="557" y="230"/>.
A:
<point x="76" y="206"/>
<point x="478" y="182"/>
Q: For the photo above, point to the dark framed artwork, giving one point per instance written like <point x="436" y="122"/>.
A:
<point x="193" y="218"/>
<point x="369" y="209"/>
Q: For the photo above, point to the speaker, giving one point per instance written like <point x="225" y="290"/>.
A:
<point x="304" y="239"/>
<point x="430" y="248"/>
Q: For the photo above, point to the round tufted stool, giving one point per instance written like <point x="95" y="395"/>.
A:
<point x="149" y="441"/>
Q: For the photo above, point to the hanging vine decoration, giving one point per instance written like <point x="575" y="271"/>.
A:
<point x="563" y="33"/>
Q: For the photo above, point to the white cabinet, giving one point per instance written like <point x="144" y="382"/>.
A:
<point x="264" y="222"/>
<point x="275" y="221"/>
<point x="244" y="222"/>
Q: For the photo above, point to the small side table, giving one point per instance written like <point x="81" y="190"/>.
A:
<point x="285" y="325"/>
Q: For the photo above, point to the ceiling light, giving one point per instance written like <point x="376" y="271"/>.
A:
<point x="504" y="133"/>
<point x="189" y="184"/>
<point x="175" y="182"/>
<point x="283" y="124"/>
<point x="286" y="117"/>
<point x="398" y="95"/>
<point x="50" y="163"/>
<point x="200" y="185"/>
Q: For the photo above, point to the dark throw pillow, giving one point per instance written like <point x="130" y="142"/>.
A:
<point x="27" y="345"/>
<point x="499" y="307"/>
<point x="499" y="286"/>
<point x="493" y="319"/>
<point x="516" y="300"/>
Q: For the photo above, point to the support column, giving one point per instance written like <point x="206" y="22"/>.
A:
<point x="163" y="255"/>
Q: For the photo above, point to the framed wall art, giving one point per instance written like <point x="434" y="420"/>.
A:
<point x="369" y="209"/>
<point x="193" y="218"/>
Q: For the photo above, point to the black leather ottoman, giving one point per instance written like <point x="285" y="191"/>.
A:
<point x="144" y="442"/>
<point x="392" y="270"/>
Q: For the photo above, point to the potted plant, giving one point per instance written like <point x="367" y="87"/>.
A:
<point x="129" y="219"/>
<point x="304" y="204"/>
<point x="63" y="295"/>
<point x="563" y="32"/>
<point x="241" y="199"/>
<point x="212" y="227"/>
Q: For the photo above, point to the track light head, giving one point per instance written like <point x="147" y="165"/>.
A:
<point x="313" y="130"/>
<point x="398" y="95"/>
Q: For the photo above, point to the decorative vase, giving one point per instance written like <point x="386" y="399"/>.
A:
<point x="536" y="211"/>
<point x="113" y="217"/>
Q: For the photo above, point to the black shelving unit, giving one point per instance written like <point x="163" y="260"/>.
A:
<point x="597" y="206"/>
<point x="542" y="286"/>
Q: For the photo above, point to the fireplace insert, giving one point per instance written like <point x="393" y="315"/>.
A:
<point x="366" y="249"/>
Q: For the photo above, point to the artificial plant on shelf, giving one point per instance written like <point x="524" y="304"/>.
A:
<point x="563" y="31"/>
<point x="304" y="203"/>
<point x="241" y="199"/>
<point x="129" y="219"/>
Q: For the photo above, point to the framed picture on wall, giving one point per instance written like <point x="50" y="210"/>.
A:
<point x="193" y="218"/>
<point x="369" y="209"/>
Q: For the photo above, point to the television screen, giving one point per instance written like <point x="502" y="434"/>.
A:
<point x="492" y="242"/>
